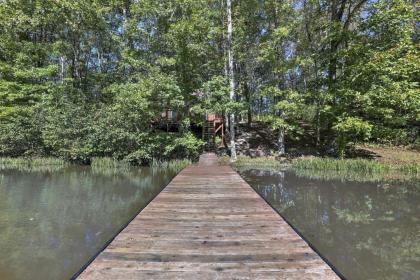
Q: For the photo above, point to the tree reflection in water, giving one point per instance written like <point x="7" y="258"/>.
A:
<point x="53" y="221"/>
<point x="367" y="230"/>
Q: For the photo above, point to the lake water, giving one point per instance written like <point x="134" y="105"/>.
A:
<point x="366" y="230"/>
<point x="53" y="222"/>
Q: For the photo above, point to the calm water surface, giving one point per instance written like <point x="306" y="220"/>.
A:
<point x="53" y="222"/>
<point x="366" y="230"/>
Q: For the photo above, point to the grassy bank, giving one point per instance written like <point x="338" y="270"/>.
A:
<point x="31" y="161"/>
<point x="357" y="165"/>
<point x="372" y="159"/>
<point x="258" y="162"/>
<point x="177" y="165"/>
<point x="97" y="164"/>
<point x="357" y="176"/>
<point x="358" y="169"/>
<point x="110" y="166"/>
<point x="355" y="169"/>
<point x="396" y="155"/>
<point x="106" y="162"/>
<point x="32" y="164"/>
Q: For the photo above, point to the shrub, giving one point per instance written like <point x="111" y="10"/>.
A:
<point x="350" y="129"/>
<point x="186" y="146"/>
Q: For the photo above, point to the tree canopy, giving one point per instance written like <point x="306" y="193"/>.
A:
<point x="80" y="79"/>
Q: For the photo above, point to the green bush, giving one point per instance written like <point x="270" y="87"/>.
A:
<point x="162" y="146"/>
<point x="186" y="146"/>
<point x="350" y="130"/>
<point x="387" y="135"/>
<point x="20" y="133"/>
<point x="68" y="130"/>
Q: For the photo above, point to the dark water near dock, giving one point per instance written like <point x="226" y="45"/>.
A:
<point x="53" y="222"/>
<point x="367" y="230"/>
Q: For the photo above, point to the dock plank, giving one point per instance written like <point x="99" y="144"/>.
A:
<point x="208" y="223"/>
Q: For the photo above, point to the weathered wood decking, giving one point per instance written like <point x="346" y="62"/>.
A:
<point x="208" y="223"/>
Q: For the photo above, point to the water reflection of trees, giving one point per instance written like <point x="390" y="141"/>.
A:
<point x="367" y="230"/>
<point x="53" y="222"/>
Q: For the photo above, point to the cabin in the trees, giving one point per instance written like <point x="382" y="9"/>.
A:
<point x="213" y="125"/>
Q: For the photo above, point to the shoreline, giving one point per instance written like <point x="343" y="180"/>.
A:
<point x="357" y="169"/>
<point x="382" y="162"/>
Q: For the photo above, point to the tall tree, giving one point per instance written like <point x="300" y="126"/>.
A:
<point x="231" y="77"/>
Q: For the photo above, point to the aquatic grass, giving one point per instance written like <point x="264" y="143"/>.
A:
<point x="349" y="175"/>
<point x="361" y="170"/>
<point x="107" y="162"/>
<point x="99" y="165"/>
<point x="174" y="165"/>
<point x="413" y="169"/>
<point x="32" y="163"/>
<point x="354" y="169"/>
<point x="360" y="165"/>
<point x="109" y="166"/>
<point x="258" y="162"/>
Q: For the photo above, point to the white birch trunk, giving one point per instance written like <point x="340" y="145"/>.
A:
<point x="62" y="61"/>
<point x="282" y="147"/>
<point x="231" y="79"/>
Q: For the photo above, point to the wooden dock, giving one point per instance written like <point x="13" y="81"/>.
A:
<point x="208" y="223"/>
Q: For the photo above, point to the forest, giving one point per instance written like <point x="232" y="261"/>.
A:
<point x="90" y="78"/>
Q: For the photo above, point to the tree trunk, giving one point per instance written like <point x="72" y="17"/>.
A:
<point x="318" y="111"/>
<point x="249" y="121"/>
<point x="62" y="62"/>
<point x="247" y="93"/>
<point x="318" y="127"/>
<point x="280" y="140"/>
<point x="231" y="79"/>
<point x="282" y="148"/>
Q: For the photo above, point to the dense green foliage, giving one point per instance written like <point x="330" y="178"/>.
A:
<point x="91" y="78"/>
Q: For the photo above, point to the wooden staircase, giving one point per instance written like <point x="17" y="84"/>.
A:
<point x="209" y="135"/>
<point x="212" y="125"/>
